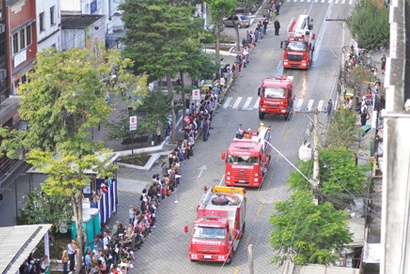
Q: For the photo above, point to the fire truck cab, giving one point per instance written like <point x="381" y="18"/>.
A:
<point x="247" y="158"/>
<point x="299" y="44"/>
<point x="276" y="95"/>
<point x="219" y="226"/>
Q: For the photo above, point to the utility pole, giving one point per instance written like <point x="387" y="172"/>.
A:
<point x="316" y="168"/>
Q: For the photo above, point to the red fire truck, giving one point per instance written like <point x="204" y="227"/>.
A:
<point x="276" y="96"/>
<point x="219" y="226"/>
<point x="300" y="43"/>
<point x="247" y="158"/>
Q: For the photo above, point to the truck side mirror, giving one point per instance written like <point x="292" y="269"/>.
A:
<point x="186" y="229"/>
<point x="259" y="91"/>
<point x="264" y="157"/>
<point x="313" y="36"/>
<point x="234" y="233"/>
<point x="223" y="156"/>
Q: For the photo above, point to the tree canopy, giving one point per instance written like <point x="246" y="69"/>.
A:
<point x="306" y="232"/>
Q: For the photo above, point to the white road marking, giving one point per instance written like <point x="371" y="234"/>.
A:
<point x="228" y="100"/>
<point x="320" y="106"/>
<point x="322" y="1"/>
<point x="330" y="2"/>
<point x="350" y="2"/>
<point x="298" y="104"/>
<point x="248" y="101"/>
<point x="337" y="2"/>
<point x="257" y="103"/>
<point x="237" y="102"/>
<point x="316" y="1"/>
<point x="343" y="2"/>
<point x="310" y="104"/>
<point x="280" y="63"/>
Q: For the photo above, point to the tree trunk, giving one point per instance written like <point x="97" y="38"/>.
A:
<point x="171" y="91"/>
<point x="78" y="217"/>
<point x="183" y="93"/>
<point x="236" y="34"/>
<point x="217" y="36"/>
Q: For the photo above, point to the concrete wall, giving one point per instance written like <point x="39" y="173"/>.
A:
<point x="395" y="230"/>
<point x="72" y="38"/>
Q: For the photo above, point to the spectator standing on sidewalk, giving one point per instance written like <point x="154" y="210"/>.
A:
<point x="329" y="108"/>
<point x="277" y="26"/>
<point x="277" y="7"/>
<point x="383" y="59"/>
<point x="265" y="25"/>
<point x="205" y="130"/>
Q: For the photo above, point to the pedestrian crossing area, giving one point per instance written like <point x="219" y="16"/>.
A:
<point x="340" y="2"/>
<point x="251" y="103"/>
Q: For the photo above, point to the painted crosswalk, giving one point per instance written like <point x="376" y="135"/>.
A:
<point x="337" y="2"/>
<point x="252" y="103"/>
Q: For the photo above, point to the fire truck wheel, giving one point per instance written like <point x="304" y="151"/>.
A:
<point x="286" y="116"/>
<point x="229" y="260"/>
<point x="220" y="200"/>
<point x="261" y="115"/>
<point x="243" y="230"/>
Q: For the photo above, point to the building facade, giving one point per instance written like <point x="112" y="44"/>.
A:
<point x="48" y="24"/>
<point x="22" y="37"/>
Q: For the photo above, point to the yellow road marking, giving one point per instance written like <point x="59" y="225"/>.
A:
<point x="236" y="269"/>
<point x="270" y="180"/>
<point x="130" y="191"/>
<point x="259" y="209"/>
<point x="247" y="241"/>
<point x="286" y="137"/>
<point x="277" y="160"/>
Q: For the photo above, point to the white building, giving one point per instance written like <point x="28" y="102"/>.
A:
<point x="108" y="8"/>
<point x="48" y="14"/>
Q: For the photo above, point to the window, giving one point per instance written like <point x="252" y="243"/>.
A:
<point x="15" y="43"/>
<point x="52" y="19"/>
<point x="22" y="38"/>
<point x="28" y="33"/>
<point x="41" y="21"/>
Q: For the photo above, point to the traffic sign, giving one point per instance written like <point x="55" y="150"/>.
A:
<point x="133" y="123"/>
<point x="196" y="94"/>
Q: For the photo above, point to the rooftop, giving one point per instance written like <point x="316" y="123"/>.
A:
<point x="79" y="21"/>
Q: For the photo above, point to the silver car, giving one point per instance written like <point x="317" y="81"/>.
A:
<point x="242" y="21"/>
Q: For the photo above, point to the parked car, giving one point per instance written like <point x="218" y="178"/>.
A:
<point x="242" y="21"/>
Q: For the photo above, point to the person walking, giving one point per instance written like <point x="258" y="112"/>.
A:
<point x="277" y="7"/>
<point x="205" y="131"/>
<point x="329" y="108"/>
<point x="265" y="25"/>
<point x="64" y="260"/>
<point x="71" y="254"/>
<point x="383" y="59"/>
<point x="276" y="24"/>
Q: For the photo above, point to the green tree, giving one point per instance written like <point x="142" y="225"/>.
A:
<point x="64" y="98"/>
<point x="156" y="29"/>
<point x="355" y="82"/>
<point x="154" y="109"/>
<point x="40" y="208"/>
<point x="219" y="9"/>
<point x="342" y="131"/>
<point x="306" y="232"/>
<point x="369" y="24"/>
<point x="339" y="176"/>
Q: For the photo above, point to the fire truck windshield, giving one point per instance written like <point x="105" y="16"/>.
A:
<point x="209" y="233"/>
<point x="274" y="93"/>
<point x="242" y="160"/>
<point x="296" y="46"/>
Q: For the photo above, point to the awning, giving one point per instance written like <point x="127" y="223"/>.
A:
<point x="323" y="269"/>
<point x="16" y="244"/>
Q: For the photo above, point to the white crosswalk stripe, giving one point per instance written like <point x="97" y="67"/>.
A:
<point x="298" y="104"/>
<point x="329" y="2"/>
<point x="337" y="2"/>
<point x="343" y="2"/>
<point x="256" y="105"/>
<point x="310" y="104"/>
<point x="226" y="104"/>
<point x="320" y="105"/>
<point x="237" y="102"/>
<point x="350" y="2"/>
<point x="248" y="101"/>
<point x="252" y="103"/>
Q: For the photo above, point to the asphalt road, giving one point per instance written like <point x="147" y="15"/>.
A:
<point x="166" y="250"/>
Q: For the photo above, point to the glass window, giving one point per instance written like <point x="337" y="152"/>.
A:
<point x="52" y="20"/>
<point x="274" y="93"/>
<point x="296" y="46"/>
<point x="41" y="21"/>
<point x="15" y="43"/>
<point x="22" y="38"/>
<point x="28" y="33"/>
<point x="242" y="160"/>
<point x="209" y="233"/>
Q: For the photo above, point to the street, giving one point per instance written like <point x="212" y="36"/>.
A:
<point x="166" y="250"/>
